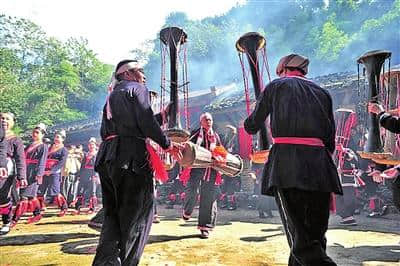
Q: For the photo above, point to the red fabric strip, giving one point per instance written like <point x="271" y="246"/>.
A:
<point x="50" y="163"/>
<point x="156" y="164"/>
<point x="31" y="161"/>
<point x="299" y="141"/>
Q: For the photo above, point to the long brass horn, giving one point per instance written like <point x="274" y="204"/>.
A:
<point x="174" y="37"/>
<point x="373" y="62"/>
<point x="249" y="44"/>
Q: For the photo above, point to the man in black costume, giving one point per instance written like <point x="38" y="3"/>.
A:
<point x="125" y="169"/>
<point x="300" y="173"/>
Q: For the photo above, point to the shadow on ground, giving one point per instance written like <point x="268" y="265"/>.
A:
<point x="357" y="255"/>
<point x="64" y="222"/>
<point x="259" y="238"/>
<point x="33" y="239"/>
<point x="88" y="246"/>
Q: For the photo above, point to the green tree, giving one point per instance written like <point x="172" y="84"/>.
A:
<point x="45" y="80"/>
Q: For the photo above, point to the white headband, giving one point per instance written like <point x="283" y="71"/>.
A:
<point x="204" y="115"/>
<point x="127" y="66"/>
<point x="114" y="81"/>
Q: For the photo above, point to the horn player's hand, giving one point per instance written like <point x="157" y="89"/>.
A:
<point x="390" y="173"/>
<point x="175" y="149"/>
<point x="218" y="160"/>
<point x="375" y="108"/>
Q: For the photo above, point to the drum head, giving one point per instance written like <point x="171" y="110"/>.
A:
<point x="177" y="135"/>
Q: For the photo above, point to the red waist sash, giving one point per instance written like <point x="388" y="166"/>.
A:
<point x="50" y="163"/>
<point x="299" y="141"/>
<point x="156" y="164"/>
<point x="31" y="161"/>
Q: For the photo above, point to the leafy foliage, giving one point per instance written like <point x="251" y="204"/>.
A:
<point x="45" y="80"/>
<point x="331" y="33"/>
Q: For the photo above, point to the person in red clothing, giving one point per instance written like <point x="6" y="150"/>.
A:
<point x="35" y="156"/>
<point x="15" y="169"/>
<point x="51" y="185"/>
<point x="87" y="180"/>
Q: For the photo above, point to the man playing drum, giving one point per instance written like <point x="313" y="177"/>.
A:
<point x="206" y="178"/>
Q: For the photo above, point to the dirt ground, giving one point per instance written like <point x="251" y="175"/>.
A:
<point x="241" y="238"/>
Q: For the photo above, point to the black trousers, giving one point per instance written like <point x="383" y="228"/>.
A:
<point x="5" y="192"/>
<point x="208" y="196"/>
<point x="230" y="185"/>
<point x="305" y="216"/>
<point x="128" y="214"/>
<point x="396" y="193"/>
<point x="347" y="203"/>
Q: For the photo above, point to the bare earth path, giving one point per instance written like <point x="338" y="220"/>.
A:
<point x="241" y="238"/>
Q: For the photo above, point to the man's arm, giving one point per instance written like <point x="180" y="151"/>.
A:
<point x="19" y="157"/>
<point x="261" y="111"/>
<point x="390" y="122"/>
<point x="145" y="117"/>
<point x="386" y="120"/>
<point x="3" y="148"/>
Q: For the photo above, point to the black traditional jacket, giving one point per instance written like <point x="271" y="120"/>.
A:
<point x="132" y="122"/>
<point x="297" y="108"/>
<point x="15" y="151"/>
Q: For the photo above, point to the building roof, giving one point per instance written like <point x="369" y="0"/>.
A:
<point x="231" y="97"/>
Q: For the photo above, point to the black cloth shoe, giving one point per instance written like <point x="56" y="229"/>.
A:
<point x="351" y="222"/>
<point x="185" y="218"/>
<point x="231" y="208"/>
<point x="204" y="234"/>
